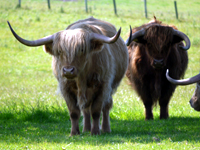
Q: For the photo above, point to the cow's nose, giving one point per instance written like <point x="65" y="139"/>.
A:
<point x="158" y="63"/>
<point x="191" y="102"/>
<point x="69" y="72"/>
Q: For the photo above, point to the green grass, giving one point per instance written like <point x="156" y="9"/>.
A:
<point x="33" y="116"/>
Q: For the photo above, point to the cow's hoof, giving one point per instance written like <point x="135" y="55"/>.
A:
<point x="75" y="133"/>
<point x="95" y="132"/>
<point x="86" y="129"/>
<point x="106" y="129"/>
<point x="148" y="118"/>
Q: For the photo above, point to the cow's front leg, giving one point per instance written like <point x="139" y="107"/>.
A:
<point x="163" y="102"/>
<point x="148" y="111"/>
<point x="164" y="114"/>
<point x="165" y="98"/>
<point x="74" y="116"/>
<point x="148" y="104"/>
<point x="74" y="113"/>
<point x="146" y="96"/>
<point x="106" y="117"/>
<point x="82" y="87"/>
<point x="69" y="92"/>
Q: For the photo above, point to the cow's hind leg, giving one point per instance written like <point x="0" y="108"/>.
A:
<point x="106" y="117"/>
<point x="86" y="121"/>
<point x="95" y="130"/>
<point x="96" y="113"/>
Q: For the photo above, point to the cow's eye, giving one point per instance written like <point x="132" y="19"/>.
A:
<point x="149" y="45"/>
<point x="82" y="51"/>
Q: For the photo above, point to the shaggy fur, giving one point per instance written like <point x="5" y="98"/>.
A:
<point x="99" y="69"/>
<point x="195" y="100"/>
<point x="149" y="82"/>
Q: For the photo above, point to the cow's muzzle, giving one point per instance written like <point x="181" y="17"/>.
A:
<point x="69" y="72"/>
<point x="195" y="104"/>
<point x="158" y="63"/>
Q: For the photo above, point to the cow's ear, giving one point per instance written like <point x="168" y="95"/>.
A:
<point x="176" y="39"/>
<point x="48" y="48"/>
<point x="140" y="40"/>
<point x="96" y="46"/>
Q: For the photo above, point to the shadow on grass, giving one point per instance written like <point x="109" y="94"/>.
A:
<point x="48" y="126"/>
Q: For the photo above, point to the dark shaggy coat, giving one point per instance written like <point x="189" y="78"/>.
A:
<point x="148" y="81"/>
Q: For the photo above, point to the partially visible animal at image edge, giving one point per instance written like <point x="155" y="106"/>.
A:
<point x="89" y="61"/>
<point x="153" y="48"/>
<point x="195" y="99"/>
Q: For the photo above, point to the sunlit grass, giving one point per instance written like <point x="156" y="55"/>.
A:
<point x="34" y="116"/>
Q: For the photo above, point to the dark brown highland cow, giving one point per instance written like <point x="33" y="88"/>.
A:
<point x="153" y="48"/>
<point x="89" y="61"/>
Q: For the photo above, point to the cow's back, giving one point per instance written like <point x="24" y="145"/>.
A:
<point x="110" y="29"/>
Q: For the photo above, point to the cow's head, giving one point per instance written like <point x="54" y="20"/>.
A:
<point x="195" y="100"/>
<point x="157" y="40"/>
<point x="71" y="48"/>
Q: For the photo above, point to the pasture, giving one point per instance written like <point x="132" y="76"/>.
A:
<point x="34" y="116"/>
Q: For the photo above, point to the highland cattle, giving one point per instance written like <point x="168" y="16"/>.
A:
<point x="89" y="61"/>
<point x="153" y="48"/>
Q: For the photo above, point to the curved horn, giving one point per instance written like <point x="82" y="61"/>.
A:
<point x="39" y="42"/>
<point x="184" y="37"/>
<point x="106" y="39"/>
<point x="128" y="41"/>
<point x="184" y="81"/>
<point x="135" y="35"/>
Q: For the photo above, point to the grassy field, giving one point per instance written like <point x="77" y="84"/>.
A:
<point x="34" y="116"/>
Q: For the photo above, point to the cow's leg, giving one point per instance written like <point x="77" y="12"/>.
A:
<point x="86" y="121"/>
<point x="164" y="114"/>
<point x="166" y="94"/>
<point x="74" y="112"/>
<point x="102" y="96"/>
<point x="69" y="92"/>
<point x="163" y="102"/>
<point x="144" y="90"/>
<point x="148" y="104"/>
<point x="106" y="117"/>
<point x="96" y="113"/>
<point x="82" y="86"/>
<point x="148" y="110"/>
<point x="74" y="116"/>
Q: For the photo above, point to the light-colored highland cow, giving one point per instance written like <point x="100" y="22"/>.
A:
<point x="89" y="61"/>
